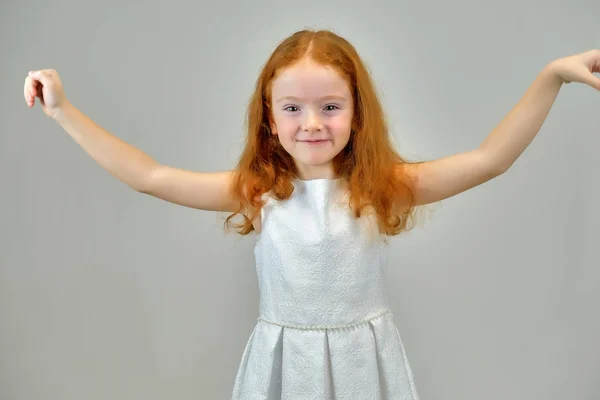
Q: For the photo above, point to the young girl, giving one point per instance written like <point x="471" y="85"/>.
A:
<point x="320" y="183"/>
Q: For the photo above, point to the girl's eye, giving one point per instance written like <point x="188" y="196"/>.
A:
<point x="295" y="108"/>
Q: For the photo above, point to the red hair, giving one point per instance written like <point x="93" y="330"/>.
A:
<point x="368" y="163"/>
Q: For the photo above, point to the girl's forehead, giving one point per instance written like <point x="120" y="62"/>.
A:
<point x="309" y="80"/>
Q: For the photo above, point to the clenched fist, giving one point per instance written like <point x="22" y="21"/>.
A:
<point x="46" y="85"/>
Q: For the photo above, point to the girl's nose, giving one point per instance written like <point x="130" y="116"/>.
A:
<point x="313" y="122"/>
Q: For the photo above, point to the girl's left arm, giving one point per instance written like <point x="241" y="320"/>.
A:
<point x="440" y="179"/>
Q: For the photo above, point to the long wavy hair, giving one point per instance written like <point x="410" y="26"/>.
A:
<point x="369" y="164"/>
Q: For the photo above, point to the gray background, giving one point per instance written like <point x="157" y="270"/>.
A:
<point x="106" y="293"/>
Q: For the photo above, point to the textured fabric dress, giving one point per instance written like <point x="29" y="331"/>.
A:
<point x="324" y="329"/>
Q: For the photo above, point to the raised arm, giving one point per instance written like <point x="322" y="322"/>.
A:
<point x="202" y="190"/>
<point x="443" y="178"/>
<point x="125" y="162"/>
<point x="207" y="191"/>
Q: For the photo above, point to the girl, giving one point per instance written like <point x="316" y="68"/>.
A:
<point x="322" y="186"/>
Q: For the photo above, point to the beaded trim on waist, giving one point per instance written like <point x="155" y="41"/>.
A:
<point x="325" y="327"/>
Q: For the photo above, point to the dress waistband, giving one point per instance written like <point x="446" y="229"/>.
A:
<point x="325" y="327"/>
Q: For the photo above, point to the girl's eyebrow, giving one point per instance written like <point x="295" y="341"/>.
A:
<point x="292" y="98"/>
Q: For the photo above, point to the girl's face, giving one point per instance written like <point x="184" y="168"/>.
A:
<point x="312" y="102"/>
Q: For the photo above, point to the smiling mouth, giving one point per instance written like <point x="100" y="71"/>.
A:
<point x="315" y="143"/>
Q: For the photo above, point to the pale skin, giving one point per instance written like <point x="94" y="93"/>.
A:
<point x="312" y="102"/>
<point x="435" y="180"/>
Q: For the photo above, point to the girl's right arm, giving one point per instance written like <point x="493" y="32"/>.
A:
<point x="207" y="191"/>
<point x="122" y="160"/>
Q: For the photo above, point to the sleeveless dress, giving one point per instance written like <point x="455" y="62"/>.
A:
<point x="324" y="329"/>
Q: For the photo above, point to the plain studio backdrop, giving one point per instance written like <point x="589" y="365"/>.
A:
<point x="106" y="293"/>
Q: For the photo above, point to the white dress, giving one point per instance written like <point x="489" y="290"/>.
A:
<point x="324" y="329"/>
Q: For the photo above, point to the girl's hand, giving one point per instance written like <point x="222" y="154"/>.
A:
<point x="579" y="68"/>
<point x="45" y="85"/>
